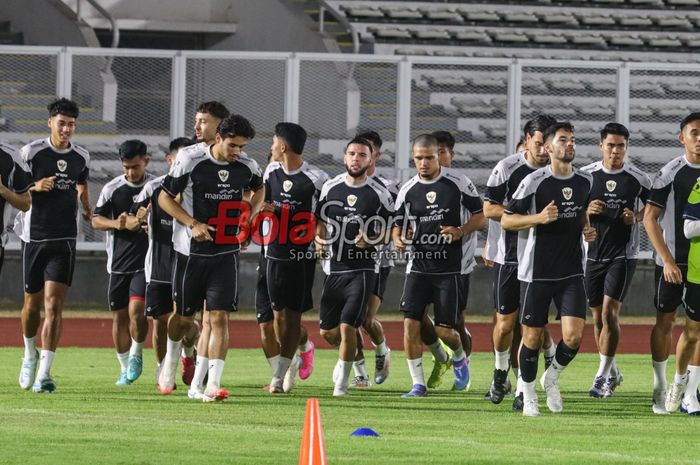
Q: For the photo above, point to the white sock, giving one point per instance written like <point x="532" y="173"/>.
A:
<point x="693" y="380"/>
<point x="381" y="349"/>
<point x="459" y="354"/>
<point x="415" y="367"/>
<point x="187" y="352"/>
<point x="360" y="368"/>
<point x="344" y="369"/>
<point x="216" y="369"/>
<point x="123" y="360"/>
<point x="604" y="368"/>
<point x="201" y="368"/>
<point x="273" y="361"/>
<point x="439" y="352"/>
<point x="502" y="359"/>
<point x="282" y="367"/>
<point x="677" y="378"/>
<point x="613" y="368"/>
<point x="554" y="370"/>
<point x="173" y="349"/>
<point x="45" y="362"/>
<point x="550" y="351"/>
<point x="518" y="383"/>
<point x="30" y="347"/>
<point x="659" y="374"/>
<point x="306" y="347"/>
<point x="136" y="348"/>
<point x="528" y="390"/>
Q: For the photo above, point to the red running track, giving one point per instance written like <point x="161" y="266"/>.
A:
<point x="244" y="334"/>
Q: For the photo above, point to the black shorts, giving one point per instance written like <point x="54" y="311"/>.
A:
<point x="47" y="261"/>
<point x="611" y="278"/>
<point x="263" y="307"/>
<point x="124" y="287"/>
<point x="691" y="301"/>
<point x="443" y="291"/>
<point x="159" y="299"/>
<point x="344" y="298"/>
<point x="214" y="279"/>
<point x="506" y="289"/>
<point x="380" y="282"/>
<point x="463" y="291"/>
<point x="569" y="296"/>
<point x="289" y="284"/>
<point x="667" y="296"/>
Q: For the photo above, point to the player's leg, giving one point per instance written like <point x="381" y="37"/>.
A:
<point x="447" y="303"/>
<point x="33" y="264"/>
<point x="417" y="294"/>
<point x="329" y="323"/>
<point x="138" y="325"/>
<point x="506" y="302"/>
<point x="685" y="347"/>
<point x="54" y="298"/>
<point x="374" y="328"/>
<point x="595" y="276"/>
<point x="361" y="379"/>
<point x="306" y="346"/>
<point x="118" y="296"/>
<point x="690" y="404"/>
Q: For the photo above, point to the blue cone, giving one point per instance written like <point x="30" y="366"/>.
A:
<point x="365" y="432"/>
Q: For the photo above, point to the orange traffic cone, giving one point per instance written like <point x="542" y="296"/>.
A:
<point x="313" y="449"/>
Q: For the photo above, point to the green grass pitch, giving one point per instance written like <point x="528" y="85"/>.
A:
<point x="89" y="420"/>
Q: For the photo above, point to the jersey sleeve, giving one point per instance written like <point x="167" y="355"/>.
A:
<point x="322" y="198"/>
<point x="143" y="199"/>
<point x="521" y="202"/>
<point x="661" y="188"/>
<point x="176" y="180"/>
<point x="470" y="197"/>
<point x="21" y="178"/>
<point x="497" y="185"/>
<point x="255" y="182"/>
<point x="401" y="208"/>
<point x="104" y="205"/>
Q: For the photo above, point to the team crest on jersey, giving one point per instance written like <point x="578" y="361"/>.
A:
<point x="611" y="185"/>
<point x="351" y="200"/>
<point x="223" y="175"/>
<point x="431" y="196"/>
<point x="568" y="192"/>
<point x="287" y="185"/>
<point x="62" y="165"/>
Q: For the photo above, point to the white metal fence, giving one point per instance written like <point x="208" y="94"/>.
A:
<point x="152" y="94"/>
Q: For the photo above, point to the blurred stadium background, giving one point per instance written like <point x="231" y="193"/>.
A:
<point x="479" y="69"/>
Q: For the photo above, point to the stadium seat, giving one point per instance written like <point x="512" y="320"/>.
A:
<point x="625" y="40"/>
<point x="479" y="16"/>
<point x="587" y="40"/>
<point x="559" y="18"/>
<point x="472" y="35"/>
<point x="665" y="42"/>
<point x="685" y="3"/>
<point x="554" y="39"/>
<point x="401" y="13"/>
<point x="389" y="32"/>
<point x="431" y="34"/>
<point x="362" y="11"/>
<point x="595" y="20"/>
<point x="674" y="21"/>
<point x="440" y="14"/>
<point x="634" y="20"/>
<point x="507" y="36"/>
<point x="566" y="84"/>
<point x="520" y="17"/>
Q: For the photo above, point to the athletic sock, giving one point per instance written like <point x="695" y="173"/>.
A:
<point x="136" y="348"/>
<point x="216" y="369"/>
<point x="360" y="368"/>
<point x="604" y="368"/>
<point x="381" y="349"/>
<point x="459" y="355"/>
<point x="344" y="369"/>
<point x="528" y="364"/>
<point x="693" y="380"/>
<point x="201" y="368"/>
<point x="439" y="352"/>
<point x="502" y="359"/>
<point x="563" y="356"/>
<point x="551" y="350"/>
<point x="187" y="352"/>
<point x="282" y="367"/>
<point x="273" y="361"/>
<point x="306" y="347"/>
<point x="659" y="374"/>
<point x="123" y="360"/>
<point x="45" y="362"/>
<point x="613" y="368"/>
<point x="415" y="367"/>
<point x="677" y="378"/>
<point x="528" y="390"/>
<point x="30" y="347"/>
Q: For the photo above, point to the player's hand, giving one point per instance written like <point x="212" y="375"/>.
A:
<point x="362" y="241"/>
<point x="200" y="232"/>
<point x="595" y="207"/>
<point x="399" y="244"/>
<point x="672" y="274"/>
<point x="628" y="216"/>
<point x="549" y="213"/>
<point x="44" y="184"/>
<point x="121" y="221"/>
<point x="487" y="263"/>
<point x="321" y="251"/>
<point x="142" y="213"/>
<point x="451" y="233"/>
<point x="589" y="233"/>
<point x="87" y="213"/>
<point x="267" y="207"/>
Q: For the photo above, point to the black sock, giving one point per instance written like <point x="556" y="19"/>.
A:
<point x="564" y="354"/>
<point x="528" y="363"/>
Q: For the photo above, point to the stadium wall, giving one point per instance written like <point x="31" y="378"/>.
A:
<point x="89" y="288"/>
<point x="49" y="23"/>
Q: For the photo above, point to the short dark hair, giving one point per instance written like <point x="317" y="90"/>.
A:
<point x="361" y="141"/>
<point x="445" y="138"/>
<point x="180" y="142"/>
<point x="63" y="106"/>
<point x="214" y="108"/>
<point x="695" y="116"/>
<point x="372" y="136"/>
<point x="615" y="129"/>
<point x="235" y="126"/>
<point x="293" y="134"/>
<point x="425" y="140"/>
<point x="131" y="149"/>
<point x="552" y="129"/>
<point x="538" y="124"/>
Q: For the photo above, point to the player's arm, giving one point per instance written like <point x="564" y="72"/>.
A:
<point x="517" y="222"/>
<point x="21" y="201"/>
<point x="672" y="273"/>
<point x="691" y="228"/>
<point x="84" y="198"/>
<point x="493" y="211"/>
<point x="200" y="231"/>
<point x="102" y="223"/>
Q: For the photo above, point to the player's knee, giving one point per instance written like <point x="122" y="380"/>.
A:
<point x="692" y="331"/>
<point x="572" y="340"/>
